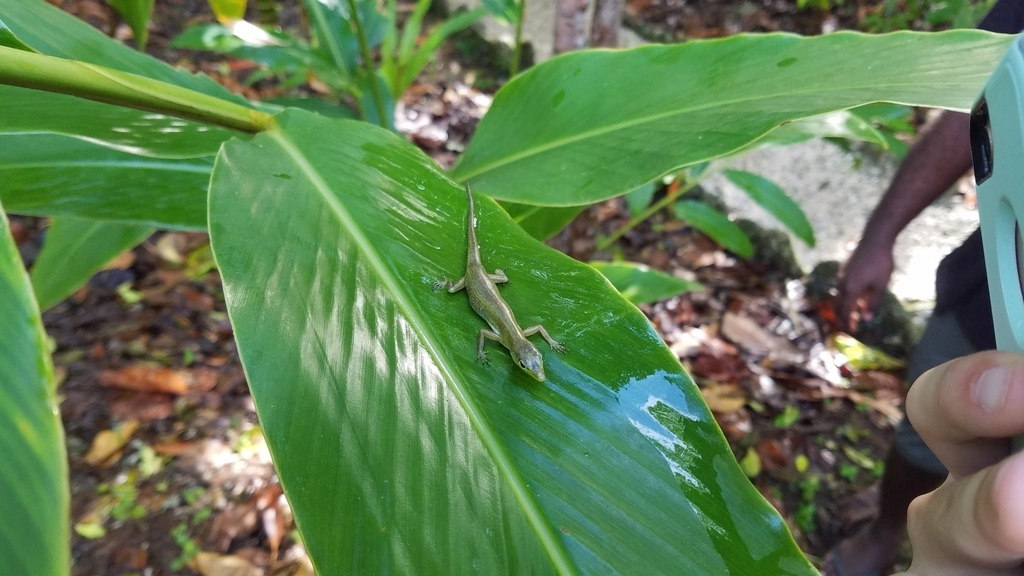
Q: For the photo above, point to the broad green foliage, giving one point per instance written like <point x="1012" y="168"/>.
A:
<point x="775" y="201"/>
<point x="74" y="250"/>
<point x="130" y="131"/>
<point x="485" y="470"/>
<point x="591" y="125"/>
<point x="398" y="451"/>
<point x="34" y="476"/>
<point x="641" y="284"/>
<point x="54" y="32"/>
<point x="46" y="175"/>
<point x="136" y="13"/>
<point x="716" y="225"/>
<point x="344" y="34"/>
<point x="541" y="222"/>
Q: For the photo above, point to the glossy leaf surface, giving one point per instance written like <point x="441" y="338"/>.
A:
<point x="775" y="201"/>
<point x="45" y="175"/>
<point x="595" y="124"/>
<point x="141" y="133"/>
<point x="9" y="39"/>
<point x="641" y="284"/>
<point x="33" y="479"/>
<point x="507" y="10"/>
<point x="542" y="222"/>
<point x="76" y="249"/>
<point x="842" y="124"/>
<point x="716" y="225"/>
<point x="136" y="13"/>
<point x="402" y="454"/>
<point x="638" y="200"/>
<point x="55" y="33"/>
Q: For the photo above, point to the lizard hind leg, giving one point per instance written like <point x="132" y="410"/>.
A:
<point x="538" y="329"/>
<point x="498" y="277"/>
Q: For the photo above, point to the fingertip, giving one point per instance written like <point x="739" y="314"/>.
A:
<point x="977" y="396"/>
<point x="1006" y="506"/>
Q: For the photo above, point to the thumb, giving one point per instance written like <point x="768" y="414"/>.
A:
<point x="971" y="525"/>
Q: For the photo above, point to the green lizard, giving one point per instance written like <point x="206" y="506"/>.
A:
<point x="489" y="305"/>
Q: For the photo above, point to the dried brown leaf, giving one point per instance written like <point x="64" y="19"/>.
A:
<point x="108" y="445"/>
<point x="210" y="564"/>
<point x="145" y="378"/>
<point x="724" y="398"/>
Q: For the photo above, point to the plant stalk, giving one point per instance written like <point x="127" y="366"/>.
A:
<point x="50" y="74"/>
<point x="517" y="50"/>
<point x="364" y="51"/>
<point x="651" y="210"/>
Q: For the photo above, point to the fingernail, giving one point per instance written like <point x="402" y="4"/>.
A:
<point x="990" y="389"/>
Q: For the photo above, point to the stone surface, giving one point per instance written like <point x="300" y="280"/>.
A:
<point x="838" y="198"/>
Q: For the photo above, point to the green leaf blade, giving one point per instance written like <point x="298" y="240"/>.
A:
<point x="716" y="225"/>
<point x="642" y="284"/>
<point x="775" y="200"/>
<point x="47" y="175"/>
<point x="137" y="14"/>
<point x="53" y="32"/>
<point x="400" y="452"/>
<point x="595" y="124"/>
<point x="76" y="249"/>
<point x="542" y="222"/>
<point x="34" y="534"/>
<point x="31" y="112"/>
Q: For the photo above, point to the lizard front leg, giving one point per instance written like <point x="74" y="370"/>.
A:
<point x="557" y="347"/>
<point x="484" y="335"/>
<point x="452" y="287"/>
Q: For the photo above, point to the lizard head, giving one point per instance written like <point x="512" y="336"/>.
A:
<point x="529" y="359"/>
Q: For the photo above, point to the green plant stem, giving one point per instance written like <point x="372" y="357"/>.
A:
<point x="668" y="199"/>
<point x="517" y="49"/>
<point x="364" y="51"/>
<point x="39" y="72"/>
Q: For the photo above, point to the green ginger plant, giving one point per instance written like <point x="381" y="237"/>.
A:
<point x="398" y="451"/>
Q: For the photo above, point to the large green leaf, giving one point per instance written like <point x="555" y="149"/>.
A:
<point x="136" y="13"/>
<point x="398" y="451"/>
<point x="9" y="39"/>
<point x="775" y="201"/>
<point x="641" y="284"/>
<point x="716" y="225"/>
<point x="841" y="124"/>
<point x="542" y="222"/>
<point x="595" y="124"/>
<point x="75" y="250"/>
<point x="27" y="111"/>
<point x="33" y="478"/>
<point x="55" y="33"/>
<point x="47" y="175"/>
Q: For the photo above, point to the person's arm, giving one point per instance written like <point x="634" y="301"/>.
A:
<point x="941" y="155"/>
<point x="966" y="411"/>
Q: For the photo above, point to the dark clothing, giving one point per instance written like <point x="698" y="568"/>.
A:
<point x="1007" y="16"/>
<point x="961" y="288"/>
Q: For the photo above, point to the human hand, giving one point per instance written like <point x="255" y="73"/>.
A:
<point x="863" y="280"/>
<point x="966" y="411"/>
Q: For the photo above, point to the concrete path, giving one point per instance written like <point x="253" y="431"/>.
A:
<point x="838" y="198"/>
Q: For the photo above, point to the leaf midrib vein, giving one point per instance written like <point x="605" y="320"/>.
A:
<point x="601" y="131"/>
<point x="548" y="539"/>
